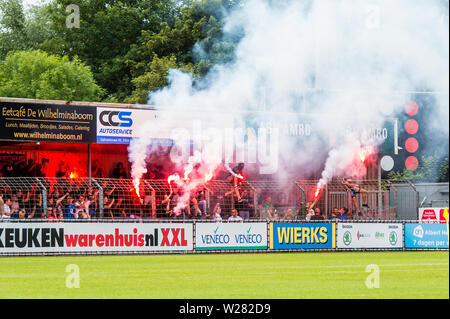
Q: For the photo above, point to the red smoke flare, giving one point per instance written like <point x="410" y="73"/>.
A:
<point x="136" y="188"/>
<point x="208" y="177"/>
<point x="73" y="175"/>
<point x="317" y="193"/>
<point x="172" y="178"/>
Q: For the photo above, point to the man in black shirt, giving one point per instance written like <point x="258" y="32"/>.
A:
<point x="317" y="215"/>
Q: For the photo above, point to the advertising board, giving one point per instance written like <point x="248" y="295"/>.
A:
<point x="16" y="237"/>
<point x="233" y="235"/>
<point x="47" y="123"/>
<point x="431" y="214"/>
<point x="425" y="235"/>
<point x="369" y="235"/>
<point x="302" y="235"/>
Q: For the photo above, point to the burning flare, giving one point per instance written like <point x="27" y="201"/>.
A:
<point x="208" y="177"/>
<point x="317" y="193"/>
<point x="136" y="188"/>
<point x="73" y="175"/>
<point x="174" y="177"/>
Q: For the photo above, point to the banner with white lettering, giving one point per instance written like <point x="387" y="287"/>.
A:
<point x="432" y="214"/>
<point x="94" y="237"/>
<point x="233" y="235"/>
<point x="369" y="235"/>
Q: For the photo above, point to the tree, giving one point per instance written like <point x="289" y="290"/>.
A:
<point x="108" y="29"/>
<point x="12" y="26"/>
<point x="154" y="78"/>
<point x="23" y="31"/>
<point x="38" y="75"/>
<point x="195" y="42"/>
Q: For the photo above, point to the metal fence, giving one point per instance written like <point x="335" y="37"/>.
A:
<point x="83" y="198"/>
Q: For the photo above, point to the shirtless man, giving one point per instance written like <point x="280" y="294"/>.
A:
<point x="355" y="189"/>
<point x="236" y="181"/>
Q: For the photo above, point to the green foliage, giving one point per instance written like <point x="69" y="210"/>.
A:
<point x="430" y="169"/>
<point x="154" y="78"/>
<point x="20" y="31"/>
<point x="12" y="26"/>
<point x="443" y="170"/>
<point x="108" y="29"/>
<point x="38" y="75"/>
<point x="129" y="45"/>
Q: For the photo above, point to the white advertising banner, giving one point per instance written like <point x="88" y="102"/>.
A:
<point x="120" y="125"/>
<point x="369" y="235"/>
<point x="94" y="237"/>
<point x="233" y="235"/>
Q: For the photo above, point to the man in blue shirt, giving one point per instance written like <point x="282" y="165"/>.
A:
<point x="69" y="211"/>
<point x="344" y="212"/>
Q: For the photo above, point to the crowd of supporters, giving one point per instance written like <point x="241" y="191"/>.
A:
<point x="68" y="198"/>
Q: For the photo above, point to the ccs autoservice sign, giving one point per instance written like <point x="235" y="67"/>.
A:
<point x="426" y="235"/>
<point x="235" y="235"/>
<point x="369" y="235"/>
<point x="302" y="236"/>
<point x="95" y="237"/>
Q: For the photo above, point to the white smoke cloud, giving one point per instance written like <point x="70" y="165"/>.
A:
<point x="358" y="59"/>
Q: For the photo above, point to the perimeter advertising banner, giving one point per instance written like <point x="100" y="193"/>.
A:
<point x="426" y="235"/>
<point x="120" y="126"/>
<point x="233" y="235"/>
<point x="94" y="237"/>
<point x="369" y="235"/>
<point x="302" y="236"/>
<point x="432" y="214"/>
<point x="47" y="123"/>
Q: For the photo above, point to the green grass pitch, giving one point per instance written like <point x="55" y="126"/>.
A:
<point x="336" y="275"/>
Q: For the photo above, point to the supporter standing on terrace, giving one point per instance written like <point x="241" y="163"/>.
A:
<point x="165" y="205"/>
<point x="8" y="168"/>
<point x="235" y="216"/>
<point x="6" y="213"/>
<point x="335" y="215"/>
<point x="107" y="207"/>
<point x="2" y="204"/>
<point x="216" y="215"/>
<point x="70" y="211"/>
<point x="119" y="171"/>
<point x="317" y="216"/>
<point x="343" y="213"/>
<point x="63" y="170"/>
<point x="243" y="206"/>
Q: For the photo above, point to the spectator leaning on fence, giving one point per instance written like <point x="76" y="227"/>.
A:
<point x="317" y="215"/>
<point x="7" y="209"/>
<point x="343" y="213"/>
<point x="2" y="204"/>
<point x="70" y="212"/>
<point x="335" y="215"/>
<point x="234" y="216"/>
<point x="216" y="213"/>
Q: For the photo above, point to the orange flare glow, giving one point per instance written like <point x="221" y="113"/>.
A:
<point x="73" y="175"/>
<point x="208" y="177"/>
<point x="174" y="177"/>
<point x="136" y="188"/>
<point x="317" y="193"/>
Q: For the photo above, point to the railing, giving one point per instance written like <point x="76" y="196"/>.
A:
<point x="83" y="198"/>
